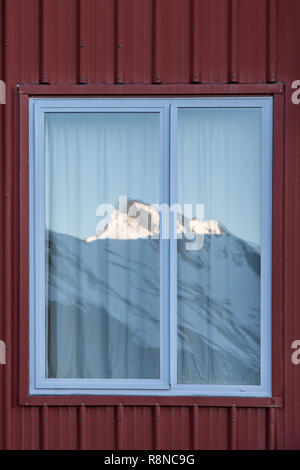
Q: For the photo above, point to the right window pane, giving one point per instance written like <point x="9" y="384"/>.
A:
<point x="218" y="279"/>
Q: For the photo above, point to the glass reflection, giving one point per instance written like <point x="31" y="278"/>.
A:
<point x="219" y="166"/>
<point x="102" y="284"/>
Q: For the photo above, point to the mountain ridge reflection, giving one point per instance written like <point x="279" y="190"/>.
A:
<point x="103" y="309"/>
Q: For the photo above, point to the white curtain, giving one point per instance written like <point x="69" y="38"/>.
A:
<point x="103" y="296"/>
<point x="219" y="166"/>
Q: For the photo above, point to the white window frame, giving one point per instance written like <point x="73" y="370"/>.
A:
<point x="167" y="384"/>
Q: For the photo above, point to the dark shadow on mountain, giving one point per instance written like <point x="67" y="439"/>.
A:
<point x="104" y="309"/>
<point x="219" y="312"/>
<point x="96" y="345"/>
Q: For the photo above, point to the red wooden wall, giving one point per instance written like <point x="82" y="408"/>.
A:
<point x="148" y="41"/>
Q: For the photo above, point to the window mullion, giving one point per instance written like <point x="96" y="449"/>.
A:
<point x="173" y="244"/>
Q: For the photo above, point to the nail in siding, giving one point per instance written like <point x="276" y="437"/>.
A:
<point x="44" y="42"/>
<point x="271" y="428"/>
<point x="157" y="427"/>
<point x="120" y="24"/>
<point x="272" y="9"/>
<point x="120" y="427"/>
<point x="156" y="41"/>
<point x="195" y="76"/>
<point x="82" y="22"/>
<point x="44" y="427"/>
<point x="82" y="427"/>
<point x="233" y="426"/>
<point x="233" y="43"/>
<point x="195" y="427"/>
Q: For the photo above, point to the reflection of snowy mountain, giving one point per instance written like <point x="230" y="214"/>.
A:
<point x="219" y="300"/>
<point x="140" y="220"/>
<point x="104" y="309"/>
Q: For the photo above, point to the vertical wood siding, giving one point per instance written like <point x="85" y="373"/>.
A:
<point x="147" y="41"/>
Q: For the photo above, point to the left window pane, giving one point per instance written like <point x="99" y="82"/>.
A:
<point x="102" y="271"/>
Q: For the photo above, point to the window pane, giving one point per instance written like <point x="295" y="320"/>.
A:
<point x="102" y="273"/>
<point x="219" y="166"/>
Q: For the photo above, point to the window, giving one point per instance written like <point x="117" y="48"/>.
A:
<point x="150" y="246"/>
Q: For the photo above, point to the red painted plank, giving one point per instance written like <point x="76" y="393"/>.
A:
<point x="120" y="40"/>
<point x="100" y="428"/>
<point x="59" y="41"/>
<point x="9" y="176"/>
<point x="30" y="429"/>
<point x="157" y="432"/>
<point x="134" y="41"/>
<point x="172" y="43"/>
<point x="251" y="429"/>
<point x="210" y="41"/>
<point x="288" y="69"/>
<point x="213" y="429"/>
<point x="195" y="417"/>
<point x="120" y="427"/>
<point x="272" y="40"/>
<point x="271" y="428"/>
<point x="22" y="40"/>
<point x="176" y="89"/>
<point x="234" y="13"/>
<point x="278" y="247"/>
<point x="2" y="108"/>
<point x="21" y="60"/>
<point x="82" y="427"/>
<point x="156" y="41"/>
<point x="210" y="401"/>
<point x="96" y="41"/>
<point x="175" y="428"/>
<point x="138" y="428"/>
<point x="62" y="428"/>
<point x="23" y="202"/>
<point x="195" y="46"/>
<point x="251" y="41"/>
<point x="44" y="428"/>
<point x="233" y="428"/>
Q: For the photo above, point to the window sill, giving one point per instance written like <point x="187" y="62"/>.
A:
<point x="201" y="401"/>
